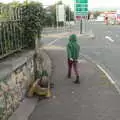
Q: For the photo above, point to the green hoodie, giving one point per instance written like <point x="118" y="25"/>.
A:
<point x="73" y="48"/>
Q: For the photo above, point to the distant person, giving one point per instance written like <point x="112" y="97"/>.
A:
<point x="73" y="50"/>
<point x="106" y="19"/>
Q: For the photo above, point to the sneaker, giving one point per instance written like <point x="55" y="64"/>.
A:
<point x="69" y="76"/>
<point x="77" y="81"/>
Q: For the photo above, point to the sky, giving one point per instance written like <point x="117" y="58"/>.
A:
<point x="91" y="3"/>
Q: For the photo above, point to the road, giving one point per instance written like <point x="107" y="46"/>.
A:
<point x="103" y="49"/>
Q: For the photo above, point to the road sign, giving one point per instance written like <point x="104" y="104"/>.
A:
<point x="60" y="13"/>
<point x="81" y="1"/>
<point x="81" y="8"/>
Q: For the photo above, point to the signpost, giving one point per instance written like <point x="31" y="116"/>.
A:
<point x="60" y="14"/>
<point x="81" y="11"/>
<point x="81" y="8"/>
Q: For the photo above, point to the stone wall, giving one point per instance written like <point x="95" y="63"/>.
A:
<point x="14" y="85"/>
<point x="13" y="88"/>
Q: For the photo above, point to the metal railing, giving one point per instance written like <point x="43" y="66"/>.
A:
<point x="11" y="37"/>
<point x="11" y="33"/>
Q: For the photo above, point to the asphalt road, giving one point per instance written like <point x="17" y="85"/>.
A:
<point x="103" y="49"/>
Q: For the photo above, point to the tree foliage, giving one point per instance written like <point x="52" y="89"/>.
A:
<point x="96" y="14"/>
<point x="69" y="14"/>
<point x="31" y="19"/>
<point x="50" y="14"/>
<point x="34" y="18"/>
<point x="32" y="22"/>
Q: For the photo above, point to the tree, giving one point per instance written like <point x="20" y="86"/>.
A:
<point x="32" y="22"/>
<point x="69" y="14"/>
<point x="9" y="10"/>
<point x="59" y="2"/>
<point x="89" y="13"/>
<point x="14" y="4"/>
<point x="50" y="15"/>
<point x="96" y="14"/>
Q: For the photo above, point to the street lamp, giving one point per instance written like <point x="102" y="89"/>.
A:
<point x="56" y="15"/>
<point x="69" y="17"/>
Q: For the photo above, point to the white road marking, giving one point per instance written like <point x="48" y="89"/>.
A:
<point x="109" y="31"/>
<point x="109" y="38"/>
<point x="52" y="42"/>
<point x="107" y="75"/>
<point x="64" y="36"/>
<point x="109" y="78"/>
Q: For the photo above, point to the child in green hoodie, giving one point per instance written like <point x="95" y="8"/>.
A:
<point x="73" y="53"/>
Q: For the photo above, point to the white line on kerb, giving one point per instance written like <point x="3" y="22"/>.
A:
<point x="51" y="43"/>
<point x="108" y="76"/>
<point x="109" y="38"/>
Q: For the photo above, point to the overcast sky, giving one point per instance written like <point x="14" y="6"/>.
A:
<point x="92" y="3"/>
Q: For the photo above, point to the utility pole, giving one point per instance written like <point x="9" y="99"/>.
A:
<point x="69" y="18"/>
<point x="81" y="26"/>
<point x="57" y="15"/>
<point x="65" y="21"/>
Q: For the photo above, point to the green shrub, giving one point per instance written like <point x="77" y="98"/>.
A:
<point x="32" y="22"/>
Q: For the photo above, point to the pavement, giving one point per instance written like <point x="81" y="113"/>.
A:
<point x="94" y="99"/>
